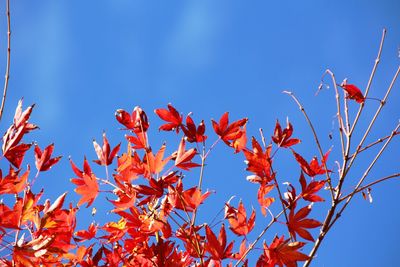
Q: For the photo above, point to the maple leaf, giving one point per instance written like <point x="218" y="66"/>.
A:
<point x="129" y="166"/>
<point x="57" y="205"/>
<point x="242" y="251"/>
<point x="88" y="234"/>
<point x="188" y="233"/>
<point x="13" y="151"/>
<point x="353" y="92"/>
<point x="308" y="190"/>
<point x="126" y="194"/>
<point x="282" y="138"/>
<point x="184" y="157"/>
<point x="136" y="122"/>
<point x="155" y="163"/>
<point x="103" y="153"/>
<point x="21" y="117"/>
<point x="86" y="182"/>
<point x="291" y="198"/>
<point x="187" y="200"/>
<point x="264" y="201"/>
<point x="9" y="218"/>
<point x="239" y="144"/>
<point x="139" y="141"/>
<point x="218" y="247"/>
<point x="259" y="162"/>
<point x="193" y="133"/>
<point x="15" y="155"/>
<point x="238" y="219"/>
<point x="154" y="191"/>
<point x="313" y="168"/>
<point x="43" y="160"/>
<point x="298" y="223"/>
<point x="12" y="183"/>
<point x="171" y="116"/>
<point x="116" y="229"/>
<point x="281" y="252"/>
<point x="228" y="132"/>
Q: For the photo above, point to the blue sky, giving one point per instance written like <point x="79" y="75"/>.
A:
<point x="79" y="61"/>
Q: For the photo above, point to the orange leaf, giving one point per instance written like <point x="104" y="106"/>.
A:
<point x="86" y="182"/>
<point x="238" y="219"/>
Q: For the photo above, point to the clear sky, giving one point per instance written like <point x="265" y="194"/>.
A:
<point x="79" y="61"/>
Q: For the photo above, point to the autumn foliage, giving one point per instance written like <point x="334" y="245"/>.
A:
<point x="155" y="208"/>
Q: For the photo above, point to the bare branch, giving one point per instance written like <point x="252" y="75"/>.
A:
<point x="7" y="75"/>
<point x="395" y="175"/>
<point x="358" y="186"/>
<point x="371" y="77"/>
<point x="380" y="140"/>
<point x="315" y="138"/>
<point x="339" y="112"/>
<point x="383" y="102"/>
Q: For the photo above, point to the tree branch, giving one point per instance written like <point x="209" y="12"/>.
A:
<point x="7" y="75"/>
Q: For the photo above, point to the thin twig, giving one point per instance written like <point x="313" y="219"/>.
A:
<point x="315" y="138"/>
<point x="339" y="213"/>
<point x="380" y="140"/>
<point x="383" y="102"/>
<point x="7" y="75"/>
<point x="339" y="112"/>
<point x="371" y="77"/>
<point x="276" y="182"/>
<point x="274" y="219"/>
<point x="395" y="175"/>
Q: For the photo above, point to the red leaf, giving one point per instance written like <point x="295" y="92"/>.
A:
<point x="12" y="183"/>
<point x="184" y="157"/>
<point x="298" y="223"/>
<point x="103" y="153"/>
<point x="313" y="168"/>
<point x="171" y="116"/>
<point x="192" y="133"/>
<point x="13" y="151"/>
<point x="187" y="200"/>
<point x="84" y="235"/>
<point x="282" y="252"/>
<point x="217" y="247"/>
<point x="353" y="92"/>
<point x="139" y="141"/>
<point x="43" y="160"/>
<point x="16" y="154"/>
<point x="282" y="138"/>
<point x="308" y="191"/>
<point x="228" y="132"/>
<point x="259" y="162"/>
<point x="136" y="122"/>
